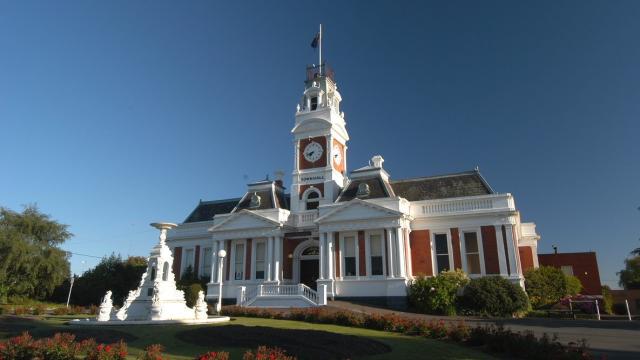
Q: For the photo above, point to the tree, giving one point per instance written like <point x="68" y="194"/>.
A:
<point x="630" y="276"/>
<point x="112" y="273"/>
<point x="31" y="262"/>
<point x="545" y="285"/>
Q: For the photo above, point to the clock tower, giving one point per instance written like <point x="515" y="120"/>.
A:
<point x="320" y="139"/>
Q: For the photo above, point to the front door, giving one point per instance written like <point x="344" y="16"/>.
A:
<point x="309" y="271"/>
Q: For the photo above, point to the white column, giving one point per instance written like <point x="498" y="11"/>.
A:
<point x="391" y="272"/>
<point x="409" y="259"/>
<point x="513" y="262"/>
<point x="277" y="258"/>
<point x="269" y="261"/>
<point x="401" y="256"/>
<point x="330" y="256"/>
<point x="214" y="256"/>
<point x="502" y="260"/>
<point x="323" y="256"/>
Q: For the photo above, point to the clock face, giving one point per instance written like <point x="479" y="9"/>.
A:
<point x="313" y="152"/>
<point x="337" y="154"/>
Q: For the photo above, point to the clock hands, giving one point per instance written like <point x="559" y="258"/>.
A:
<point x="310" y="153"/>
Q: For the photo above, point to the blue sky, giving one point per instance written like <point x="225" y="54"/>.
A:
<point x="115" y="114"/>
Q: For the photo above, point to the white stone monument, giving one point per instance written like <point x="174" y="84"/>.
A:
<point x="156" y="299"/>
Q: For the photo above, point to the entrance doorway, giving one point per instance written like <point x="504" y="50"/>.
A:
<point x="309" y="271"/>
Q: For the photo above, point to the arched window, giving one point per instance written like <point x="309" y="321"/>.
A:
<point x="313" y="200"/>
<point x="153" y="272"/>
<point x="165" y="271"/>
<point x="314" y="103"/>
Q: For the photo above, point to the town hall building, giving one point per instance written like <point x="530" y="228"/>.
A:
<point x="358" y="235"/>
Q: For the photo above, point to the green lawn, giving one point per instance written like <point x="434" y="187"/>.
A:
<point x="402" y="347"/>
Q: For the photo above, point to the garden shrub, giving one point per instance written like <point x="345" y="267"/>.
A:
<point x="214" y="355"/>
<point x="545" y="286"/>
<point x="20" y="310"/>
<point x="191" y="294"/>
<point x="61" y="346"/>
<point x="494" y="296"/>
<point x="574" y="286"/>
<point x="264" y="352"/>
<point x="607" y="300"/>
<point x="152" y="352"/>
<point x="39" y="309"/>
<point x="437" y="294"/>
<point x="61" y="311"/>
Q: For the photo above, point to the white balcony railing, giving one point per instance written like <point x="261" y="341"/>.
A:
<point x="469" y="204"/>
<point x="306" y="218"/>
<point x="247" y="296"/>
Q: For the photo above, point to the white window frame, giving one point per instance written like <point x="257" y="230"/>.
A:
<point x="463" y="250"/>
<point x="434" y="256"/>
<point x="367" y="252"/>
<point x="184" y="259"/>
<point x="254" y="254"/>
<point x="305" y="197"/>
<point x="232" y="264"/>
<point x="204" y="270"/>
<point x="343" y="252"/>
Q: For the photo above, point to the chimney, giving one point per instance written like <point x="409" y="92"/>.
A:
<point x="278" y="176"/>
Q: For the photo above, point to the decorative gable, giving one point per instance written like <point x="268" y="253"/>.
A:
<point x="244" y="220"/>
<point x="358" y="210"/>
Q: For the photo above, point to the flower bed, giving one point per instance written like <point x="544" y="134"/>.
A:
<point x="63" y="346"/>
<point x="492" y="338"/>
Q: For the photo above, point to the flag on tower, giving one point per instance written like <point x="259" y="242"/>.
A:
<point x="316" y="41"/>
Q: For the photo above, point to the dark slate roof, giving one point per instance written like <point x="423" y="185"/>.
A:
<point x="207" y="209"/>
<point x="268" y="199"/>
<point x="376" y="186"/>
<point x="468" y="183"/>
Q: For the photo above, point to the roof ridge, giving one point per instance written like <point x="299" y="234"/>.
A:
<point x="470" y="172"/>
<point x="219" y="201"/>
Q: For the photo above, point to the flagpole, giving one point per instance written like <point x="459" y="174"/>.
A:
<point x="320" y="52"/>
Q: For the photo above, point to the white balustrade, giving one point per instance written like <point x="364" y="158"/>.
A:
<point x="468" y="204"/>
<point x="247" y="295"/>
<point x="306" y="218"/>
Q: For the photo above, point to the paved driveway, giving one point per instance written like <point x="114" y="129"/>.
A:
<point x="617" y="339"/>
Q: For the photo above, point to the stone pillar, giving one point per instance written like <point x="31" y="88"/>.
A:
<point x="269" y="259"/>
<point x="214" y="256"/>
<point x="402" y="270"/>
<point x="502" y="260"/>
<point x="323" y="254"/>
<point x="331" y="269"/>
<point x="511" y="249"/>
<point x="277" y="263"/>
<point x="390" y="252"/>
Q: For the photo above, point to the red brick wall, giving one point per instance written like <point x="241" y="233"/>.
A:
<point x="490" y="248"/>
<point x="177" y="261"/>
<point x="421" y="252"/>
<point x="247" y="265"/>
<point x="361" y="254"/>
<point x="526" y="258"/>
<point x="455" y="243"/>
<point x="585" y="267"/>
<point x="196" y="263"/>
<point x="287" y="267"/>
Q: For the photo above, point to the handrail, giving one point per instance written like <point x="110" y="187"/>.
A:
<point x="279" y="290"/>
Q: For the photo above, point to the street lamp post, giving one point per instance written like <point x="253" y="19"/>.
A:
<point x="221" y="254"/>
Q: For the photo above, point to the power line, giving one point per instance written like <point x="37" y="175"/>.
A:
<point x="92" y="256"/>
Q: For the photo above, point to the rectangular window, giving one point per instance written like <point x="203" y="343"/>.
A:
<point x="206" y="262"/>
<point x="349" y="256"/>
<point x="188" y="260"/>
<point x="375" y="249"/>
<point x="314" y="103"/>
<point x="260" y="247"/>
<point x="473" y="253"/>
<point x="442" y="252"/>
<point x="567" y="269"/>
<point x="239" y="262"/>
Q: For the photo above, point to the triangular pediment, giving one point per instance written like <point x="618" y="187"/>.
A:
<point x="314" y="124"/>
<point x="358" y="210"/>
<point x="243" y="220"/>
